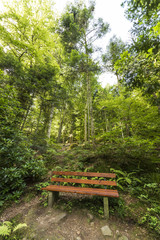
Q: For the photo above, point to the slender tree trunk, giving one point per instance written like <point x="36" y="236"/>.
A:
<point x="38" y="120"/>
<point x="88" y="109"/>
<point x="92" y="120"/>
<point x="60" y="127"/>
<point x="118" y="80"/>
<point x="85" y="124"/>
<point x="106" y="121"/>
<point x="88" y="121"/>
<point x="25" y="116"/>
<point x="122" y="130"/>
<point x="158" y="105"/>
<point x="50" y="121"/>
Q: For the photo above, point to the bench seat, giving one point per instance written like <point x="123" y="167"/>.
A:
<point x="88" y="191"/>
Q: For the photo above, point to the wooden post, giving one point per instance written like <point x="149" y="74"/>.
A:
<point x="52" y="197"/>
<point x="106" y="207"/>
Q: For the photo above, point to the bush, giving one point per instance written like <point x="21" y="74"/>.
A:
<point x="8" y="231"/>
<point x="13" y="180"/>
<point x="16" y="156"/>
<point x="151" y="218"/>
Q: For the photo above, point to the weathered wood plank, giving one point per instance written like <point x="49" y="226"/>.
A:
<point x="88" y="191"/>
<point x="85" y="174"/>
<point x="84" y="181"/>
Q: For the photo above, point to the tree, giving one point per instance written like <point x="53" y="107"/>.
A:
<point x="79" y="31"/>
<point x="28" y="37"/>
<point x="139" y="64"/>
<point x="114" y="50"/>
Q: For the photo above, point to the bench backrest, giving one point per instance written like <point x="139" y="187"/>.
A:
<point x="84" y="181"/>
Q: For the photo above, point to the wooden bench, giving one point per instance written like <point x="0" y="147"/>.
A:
<point x="100" y="180"/>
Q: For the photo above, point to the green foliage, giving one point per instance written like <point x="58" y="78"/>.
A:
<point x="73" y="145"/>
<point x="44" y="194"/>
<point x="16" y="157"/>
<point x="7" y="230"/>
<point x="118" y="207"/>
<point x="150" y="192"/>
<point x="124" y="179"/>
<point x="151" y="218"/>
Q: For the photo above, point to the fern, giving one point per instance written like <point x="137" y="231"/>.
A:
<point x="19" y="226"/>
<point x="5" y="229"/>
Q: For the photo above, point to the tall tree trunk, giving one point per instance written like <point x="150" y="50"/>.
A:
<point x="25" y="116"/>
<point x="122" y="130"/>
<point x="91" y="118"/>
<point x="106" y="122"/>
<point x="39" y="118"/>
<point x="85" y="124"/>
<point x="60" y="126"/>
<point x="50" y="121"/>
<point x="60" y="129"/>
<point x="88" y="105"/>
<point x="27" y="112"/>
<point x="158" y="105"/>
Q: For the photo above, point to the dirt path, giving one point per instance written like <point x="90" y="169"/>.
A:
<point x="55" y="224"/>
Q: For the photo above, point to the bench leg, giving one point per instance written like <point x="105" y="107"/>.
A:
<point x="106" y="207"/>
<point x="52" y="197"/>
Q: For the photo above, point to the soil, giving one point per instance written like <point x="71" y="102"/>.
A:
<point x="79" y="224"/>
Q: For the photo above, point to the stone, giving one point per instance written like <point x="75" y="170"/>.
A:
<point x="118" y="233"/>
<point x="59" y="217"/>
<point x="106" y="231"/>
<point x="92" y="224"/>
<point x="78" y="238"/>
<point x="90" y="216"/>
<point x="123" y="238"/>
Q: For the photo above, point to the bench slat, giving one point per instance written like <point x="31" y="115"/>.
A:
<point x="85" y="174"/>
<point x="84" y="181"/>
<point x="88" y="191"/>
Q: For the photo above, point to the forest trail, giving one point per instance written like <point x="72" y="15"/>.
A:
<point x="78" y="224"/>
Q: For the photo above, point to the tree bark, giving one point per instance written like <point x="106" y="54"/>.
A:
<point x="85" y="124"/>
<point x="25" y="116"/>
<point x="60" y="127"/>
<point x="50" y="121"/>
<point x="38" y="120"/>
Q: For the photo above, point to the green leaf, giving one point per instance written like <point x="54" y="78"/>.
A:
<point x="5" y="230"/>
<point x="128" y="180"/>
<point x="19" y="226"/>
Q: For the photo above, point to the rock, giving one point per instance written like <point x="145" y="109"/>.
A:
<point x="59" y="217"/>
<point x="123" y="238"/>
<point x="92" y="224"/>
<point x="78" y="238"/>
<point x="106" y="231"/>
<point x="90" y="216"/>
<point x="118" y="233"/>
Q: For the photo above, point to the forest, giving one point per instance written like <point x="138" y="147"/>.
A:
<point x="55" y="115"/>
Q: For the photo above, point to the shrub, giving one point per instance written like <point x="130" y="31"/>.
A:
<point x="13" y="179"/>
<point x="7" y="230"/>
<point x="151" y="218"/>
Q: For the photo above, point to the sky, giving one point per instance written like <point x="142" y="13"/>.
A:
<point x="112" y="13"/>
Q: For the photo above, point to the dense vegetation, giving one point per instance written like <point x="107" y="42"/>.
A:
<point x="50" y="95"/>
